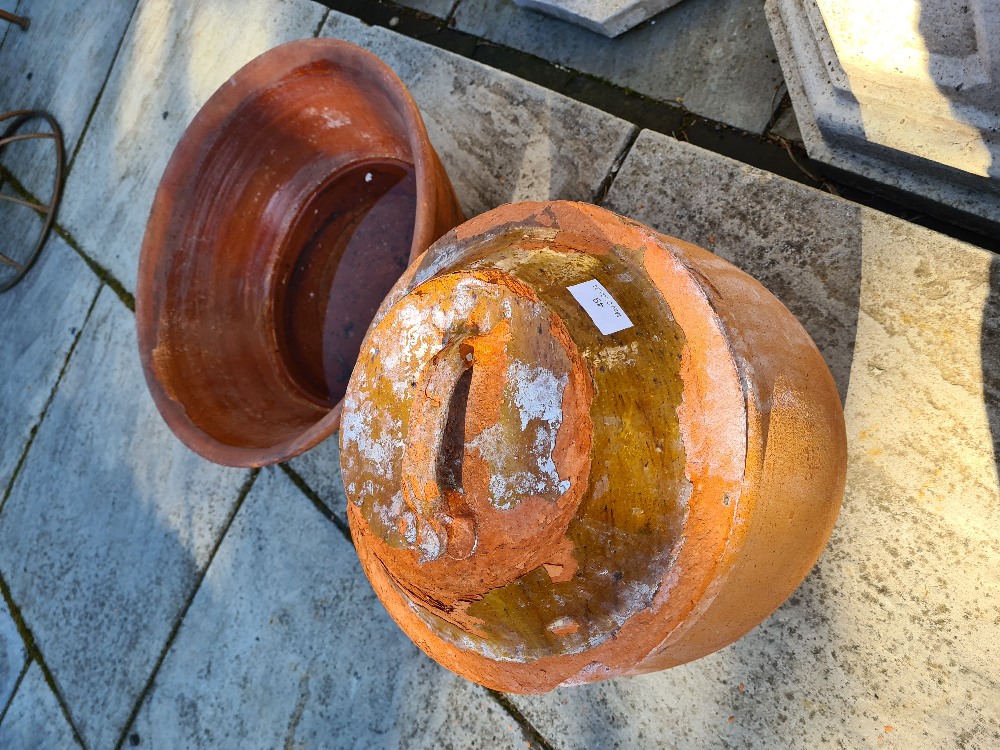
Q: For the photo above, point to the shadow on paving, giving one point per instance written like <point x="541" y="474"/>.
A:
<point x="948" y="36"/>
<point x="991" y="357"/>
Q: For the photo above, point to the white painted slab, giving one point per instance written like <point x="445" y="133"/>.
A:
<point x="904" y="93"/>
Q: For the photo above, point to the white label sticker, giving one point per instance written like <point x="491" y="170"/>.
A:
<point x="600" y="306"/>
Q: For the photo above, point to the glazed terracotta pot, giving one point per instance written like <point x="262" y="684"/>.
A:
<point x="575" y="448"/>
<point x="293" y="202"/>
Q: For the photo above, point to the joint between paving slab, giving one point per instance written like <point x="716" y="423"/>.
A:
<point x="175" y="629"/>
<point x="127" y="298"/>
<point x="605" y="187"/>
<point x="317" y="501"/>
<point x="48" y="402"/>
<point x="100" y="94"/>
<point x="322" y="22"/>
<point x="17" y="686"/>
<point x="784" y="104"/>
<point x="35" y="654"/>
<point x="531" y="734"/>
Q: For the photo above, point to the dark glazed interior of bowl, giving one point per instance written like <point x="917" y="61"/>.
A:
<point x="350" y="245"/>
<point x="286" y="214"/>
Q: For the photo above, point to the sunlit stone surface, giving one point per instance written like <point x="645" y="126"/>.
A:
<point x="903" y="92"/>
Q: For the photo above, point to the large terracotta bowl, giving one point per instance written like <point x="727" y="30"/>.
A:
<point x="293" y="202"/>
<point x="574" y="448"/>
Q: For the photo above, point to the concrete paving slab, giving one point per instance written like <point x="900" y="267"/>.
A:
<point x="769" y="226"/>
<point x="715" y="57"/>
<point x="34" y="720"/>
<point x="893" y="638"/>
<point x="109" y="524"/>
<point x="40" y="319"/>
<point x="11" y="7"/>
<point x="174" y="56"/>
<point x="607" y="17"/>
<point x="59" y="65"/>
<point x="902" y="94"/>
<point x="286" y="645"/>
<point x="439" y="8"/>
<point x="320" y="468"/>
<point x="13" y="656"/>
<point x="501" y="139"/>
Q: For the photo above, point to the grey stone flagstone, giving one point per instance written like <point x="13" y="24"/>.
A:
<point x="607" y="17"/>
<point x="108" y="527"/>
<point x="61" y="62"/>
<point x="174" y="56"/>
<point x="894" y="638"/>
<point x="34" y="720"/>
<point x="714" y="57"/>
<point x="285" y="645"/>
<point x="39" y="321"/>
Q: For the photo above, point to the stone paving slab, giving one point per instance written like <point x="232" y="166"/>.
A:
<point x="902" y="95"/>
<point x="894" y="638"/>
<point x="607" y="17"/>
<point x="772" y="227"/>
<point x="286" y="645"/>
<point x="501" y="139"/>
<point x="34" y="719"/>
<point x="40" y="319"/>
<point x="108" y="526"/>
<point x="715" y="57"/>
<point x="13" y="655"/>
<point x="58" y="65"/>
<point x="11" y="7"/>
<point x="320" y="468"/>
<point x="175" y="55"/>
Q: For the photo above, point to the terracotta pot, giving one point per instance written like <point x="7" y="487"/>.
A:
<point x="293" y="202"/>
<point x="540" y="503"/>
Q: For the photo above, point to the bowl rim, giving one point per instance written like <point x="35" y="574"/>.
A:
<point x="266" y="70"/>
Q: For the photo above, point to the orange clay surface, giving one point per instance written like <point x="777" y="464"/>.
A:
<point x="537" y="503"/>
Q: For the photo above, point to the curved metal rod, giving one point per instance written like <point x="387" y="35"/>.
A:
<point x="23" y="21"/>
<point x="18" y="119"/>
<point x="24" y="137"/>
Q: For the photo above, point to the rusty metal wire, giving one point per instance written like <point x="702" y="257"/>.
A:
<point x="11" y="134"/>
<point x="23" y="21"/>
